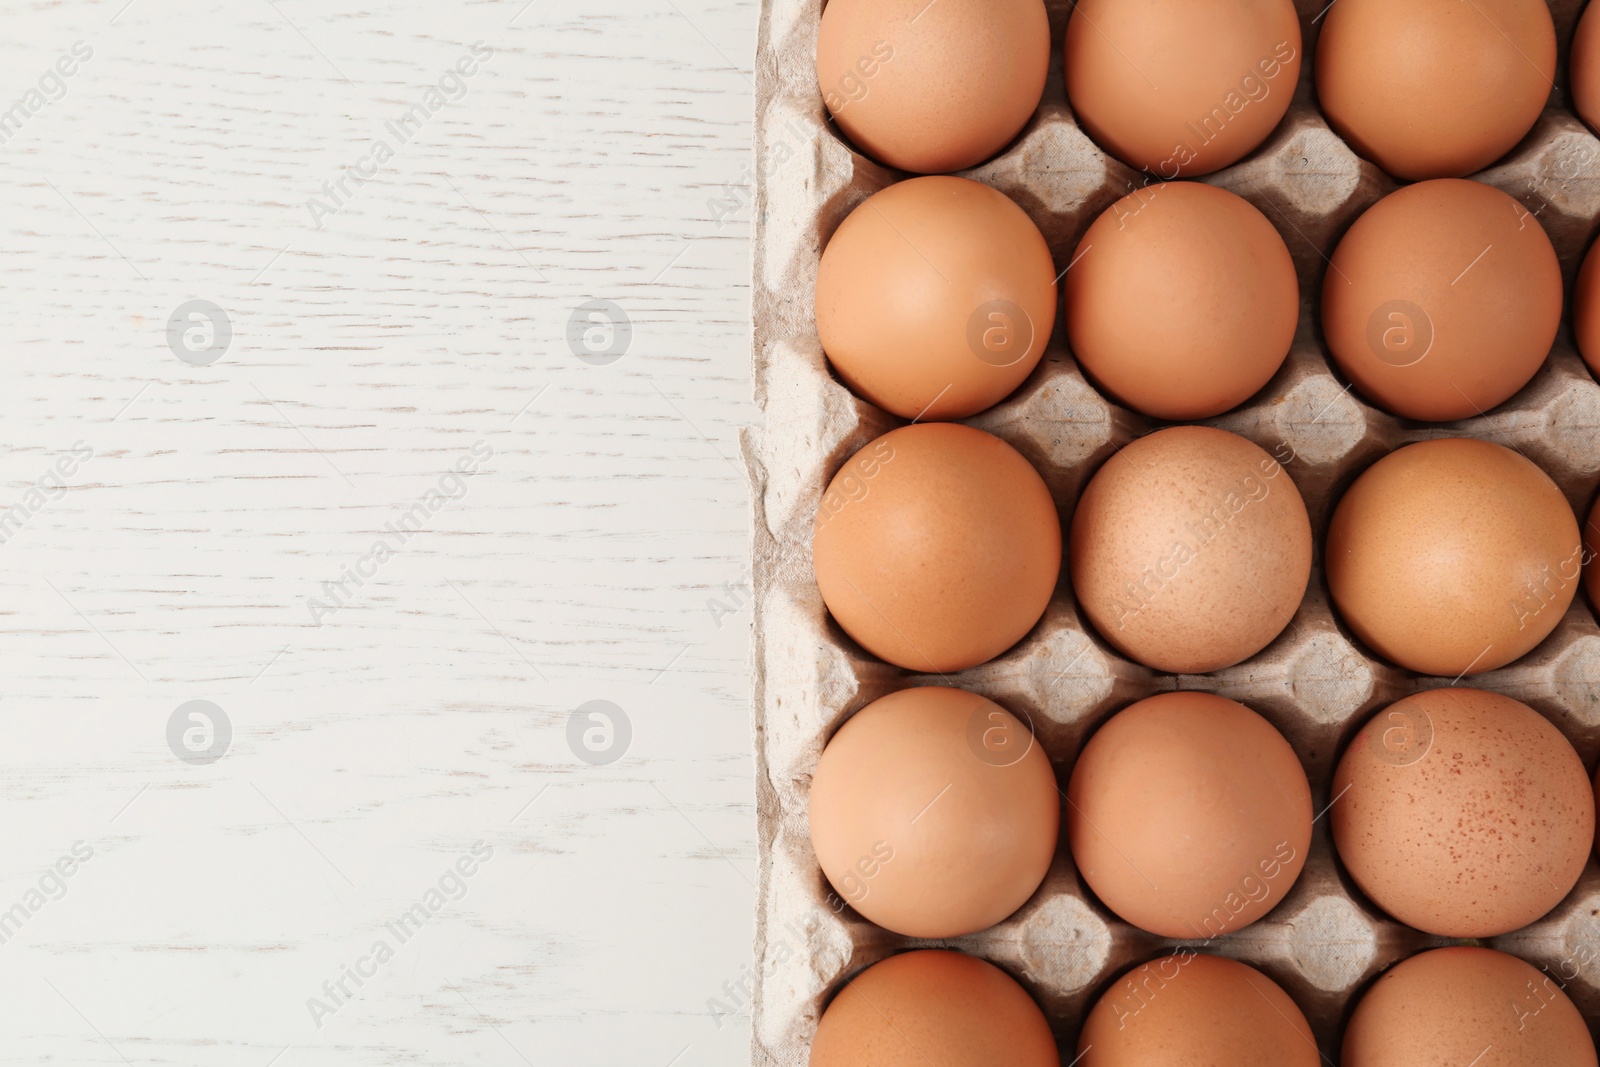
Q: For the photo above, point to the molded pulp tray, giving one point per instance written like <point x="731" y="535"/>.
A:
<point x="1324" y="943"/>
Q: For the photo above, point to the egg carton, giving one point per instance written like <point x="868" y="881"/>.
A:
<point x="1324" y="942"/>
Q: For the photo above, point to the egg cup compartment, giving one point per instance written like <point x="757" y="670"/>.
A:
<point x="1324" y="942"/>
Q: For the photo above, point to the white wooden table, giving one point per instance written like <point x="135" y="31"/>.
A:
<point x="207" y="505"/>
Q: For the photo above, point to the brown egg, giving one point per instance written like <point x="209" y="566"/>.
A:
<point x="934" y="87"/>
<point x="933" y="1009"/>
<point x="1189" y="815"/>
<point x="1586" y="305"/>
<point x="937" y="547"/>
<point x="1466" y="1007"/>
<point x="1191" y="549"/>
<point x="1591" y="549"/>
<point x="1453" y="557"/>
<point x="1181" y="87"/>
<point x="1193" y="1009"/>
<point x="1435" y="88"/>
<point x="1442" y="300"/>
<point x="934" y="813"/>
<point x="1228" y="303"/>
<point x="1585" y="62"/>
<point x="1462" y="813"/>
<point x="935" y="298"/>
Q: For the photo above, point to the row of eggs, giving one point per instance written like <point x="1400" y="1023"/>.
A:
<point x="1460" y="1006"/>
<point x="1459" y="812"/>
<point x="938" y="546"/>
<point x="1178" y="88"/>
<point x="937" y="296"/>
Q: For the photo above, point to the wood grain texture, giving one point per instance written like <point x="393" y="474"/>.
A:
<point x="375" y="745"/>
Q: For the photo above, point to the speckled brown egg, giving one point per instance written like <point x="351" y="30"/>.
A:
<point x="935" y="298"/>
<point x="1465" y="1006"/>
<point x="1435" y="88"/>
<point x="932" y="87"/>
<point x="1462" y="813"/>
<point x="1189" y="815"/>
<point x="1180" y="88"/>
<point x="1190" y="549"/>
<point x="1442" y="300"/>
<point x="937" y="547"/>
<point x="933" y="1009"/>
<point x="1229" y="300"/>
<point x="933" y="813"/>
<point x="1597" y="805"/>
<point x="1453" y="556"/>
<point x="1195" y="1009"/>
<point x="1586" y="306"/>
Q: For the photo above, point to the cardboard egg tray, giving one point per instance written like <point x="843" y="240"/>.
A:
<point x="1325" y="942"/>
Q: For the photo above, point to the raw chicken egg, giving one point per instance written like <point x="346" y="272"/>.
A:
<point x="1229" y="300"/>
<point x="933" y="1009"/>
<point x="1181" y="87"/>
<point x="1586" y="310"/>
<point x="1194" y="1009"/>
<point x="1465" y="1006"/>
<point x="1597" y="807"/>
<point x="1189" y="815"/>
<point x="937" y="547"/>
<point x="1191" y="549"/>
<point x="1585" y="62"/>
<point x="1591" y="549"/>
<point x="1453" y="556"/>
<point x="935" y="298"/>
<point x="934" y="813"/>
<point x="932" y="87"/>
<point x="1442" y="300"/>
<point x="1463" y="813"/>
<point x="1435" y="88"/>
